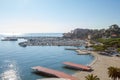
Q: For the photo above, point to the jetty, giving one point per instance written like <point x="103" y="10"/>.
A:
<point x="50" y="41"/>
<point x="53" y="79"/>
<point x="53" y="72"/>
<point x="82" y="52"/>
<point x="77" y="66"/>
<point x="71" y="48"/>
<point x="9" y="39"/>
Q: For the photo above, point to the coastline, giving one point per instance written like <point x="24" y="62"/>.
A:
<point x="86" y="52"/>
<point x="99" y="66"/>
<point x="96" y="58"/>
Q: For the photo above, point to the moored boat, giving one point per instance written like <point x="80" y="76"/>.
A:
<point x="9" y="39"/>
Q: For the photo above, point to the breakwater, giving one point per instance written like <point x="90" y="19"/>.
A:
<point x="50" y="41"/>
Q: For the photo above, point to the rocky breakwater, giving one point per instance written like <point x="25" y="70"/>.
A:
<point x="50" y="41"/>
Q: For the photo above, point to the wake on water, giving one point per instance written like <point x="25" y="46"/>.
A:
<point x="10" y="71"/>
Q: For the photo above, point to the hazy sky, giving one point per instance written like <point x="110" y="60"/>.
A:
<point x="24" y="16"/>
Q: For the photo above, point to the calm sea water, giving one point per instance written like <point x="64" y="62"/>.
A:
<point x="16" y="61"/>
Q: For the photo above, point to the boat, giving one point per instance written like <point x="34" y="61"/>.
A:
<point x="23" y="44"/>
<point x="9" y="39"/>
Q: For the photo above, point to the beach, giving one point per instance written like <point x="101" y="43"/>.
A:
<point x="99" y="66"/>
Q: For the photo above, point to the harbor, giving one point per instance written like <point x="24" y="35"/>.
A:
<point x="52" y="57"/>
<point x="46" y="41"/>
<point x="50" y="41"/>
<point x="59" y="40"/>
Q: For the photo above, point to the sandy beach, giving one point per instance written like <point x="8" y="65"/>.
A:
<point x="99" y="66"/>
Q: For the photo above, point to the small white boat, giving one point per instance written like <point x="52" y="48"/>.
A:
<point x="9" y="39"/>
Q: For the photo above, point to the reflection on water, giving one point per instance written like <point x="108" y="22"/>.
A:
<point x="10" y="71"/>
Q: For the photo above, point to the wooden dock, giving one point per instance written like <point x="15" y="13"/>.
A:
<point x="71" y="48"/>
<point x="53" y="79"/>
<point x="83" y="52"/>
<point x="54" y="73"/>
<point x="77" y="66"/>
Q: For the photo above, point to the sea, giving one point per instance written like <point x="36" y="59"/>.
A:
<point x="16" y="62"/>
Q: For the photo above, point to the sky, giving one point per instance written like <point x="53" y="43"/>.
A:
<point x="57" y="16"/>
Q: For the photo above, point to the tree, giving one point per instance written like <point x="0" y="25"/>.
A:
<point x="118" y="49"/>
<point x="114" y="72"/>
<point x="91" y="77"/>
<point x="118" y="73"/>
<point x="112" y="32"/>
<point x="99" y="47"/>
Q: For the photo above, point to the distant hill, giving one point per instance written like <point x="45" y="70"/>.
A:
<point x="112" y="32"/>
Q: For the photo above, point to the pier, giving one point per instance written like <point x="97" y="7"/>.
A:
<point x="53" y="72"/>
<point x="71" y="48"/>
<point x="77" y="66"/>
<point x="53" y="79"/>
<point x="82" y="52"/>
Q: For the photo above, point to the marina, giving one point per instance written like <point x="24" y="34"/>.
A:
<point x="59" y="40"/>
<point x="51" y="41"/>
<point x="52" y="57"/>
<point x="46" y="41"/>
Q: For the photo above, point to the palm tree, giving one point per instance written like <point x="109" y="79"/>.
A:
<point x="114" y="72"/>
<point x="91" y="77"/>
<point x="118" y="72"/>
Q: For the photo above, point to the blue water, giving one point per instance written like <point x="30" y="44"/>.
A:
<point x="17" y="61"/>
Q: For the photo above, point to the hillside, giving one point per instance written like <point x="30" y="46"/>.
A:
<point x="112" y="32"/>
